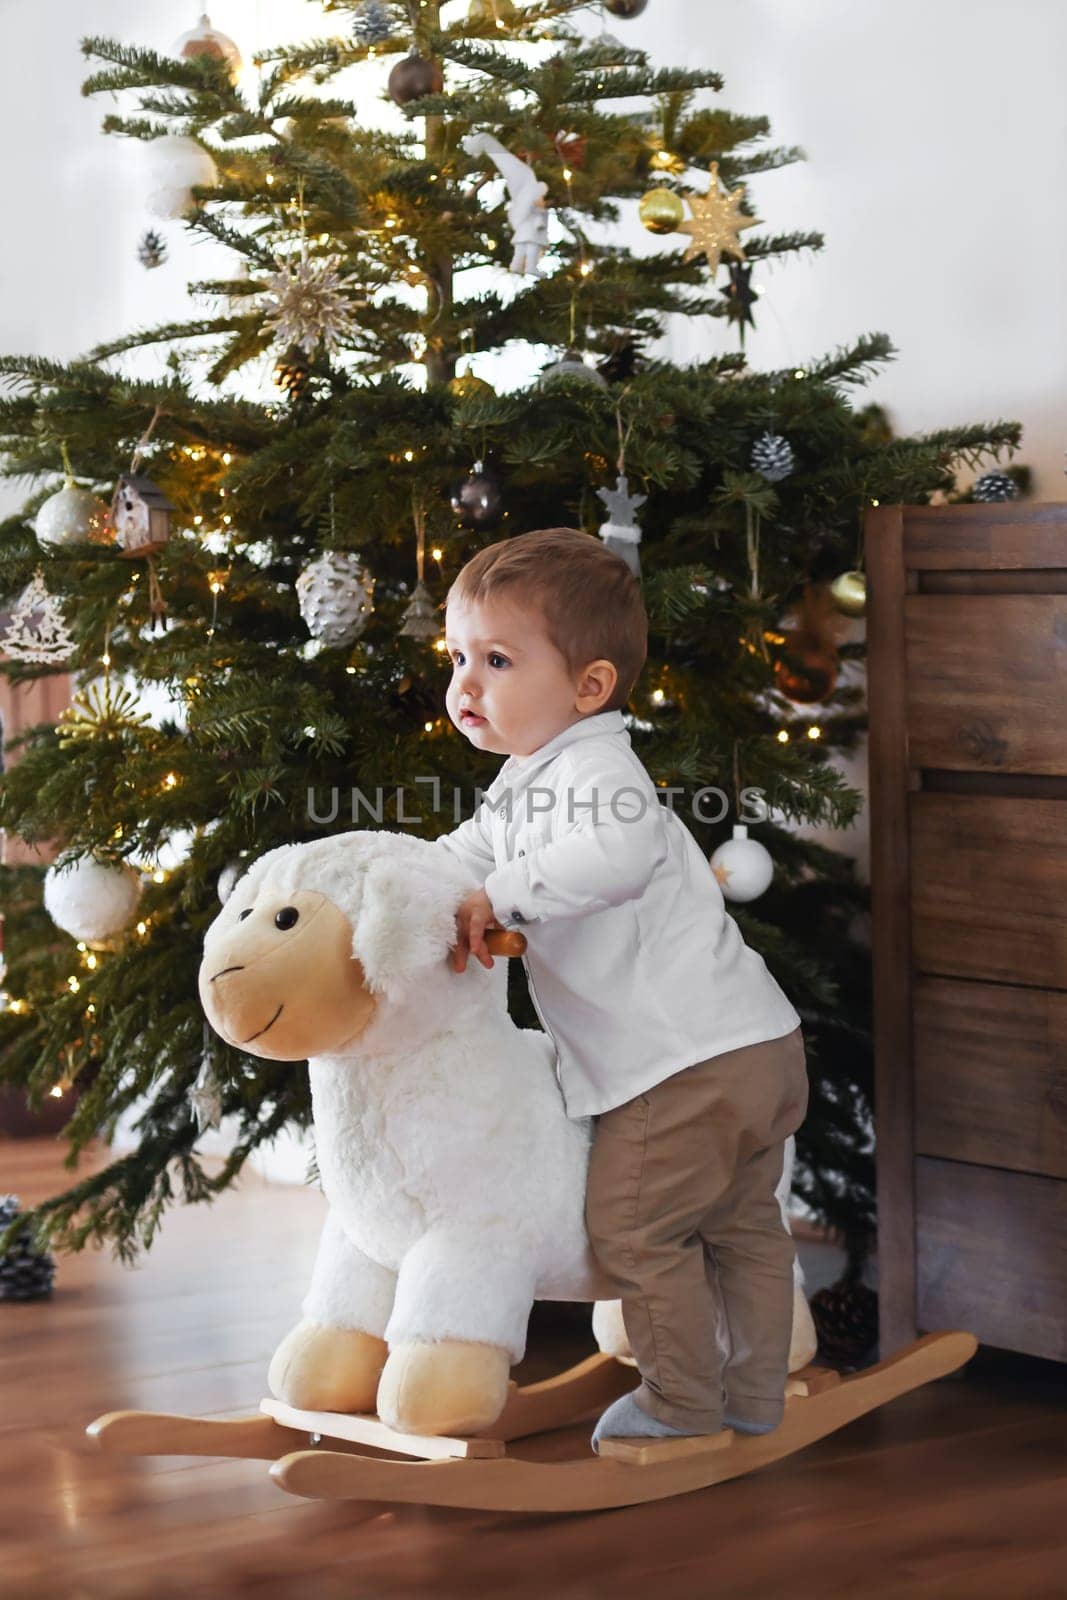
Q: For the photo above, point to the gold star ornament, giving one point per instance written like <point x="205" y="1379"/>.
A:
<point x="716" y="223"/>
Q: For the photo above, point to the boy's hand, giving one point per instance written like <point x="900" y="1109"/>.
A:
<point x="474" y="915"/>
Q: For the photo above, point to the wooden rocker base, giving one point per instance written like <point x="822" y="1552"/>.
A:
<point x="479" y="1474"/>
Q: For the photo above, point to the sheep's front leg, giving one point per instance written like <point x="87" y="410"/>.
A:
<point x="459" y="1321"/>
<point x="333" y="1358"/>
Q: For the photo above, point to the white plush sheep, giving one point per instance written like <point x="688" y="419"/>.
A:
<point x="455" y="1180"/>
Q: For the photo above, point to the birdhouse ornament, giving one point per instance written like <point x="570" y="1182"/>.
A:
<point x="141" y="516"/>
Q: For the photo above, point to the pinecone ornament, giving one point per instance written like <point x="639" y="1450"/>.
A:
<point x="25" y="1273"/>
<point x="293" y="373"/>
<point x="846" y="1320"/>
<point x="336" y="595"/>
<point x="152" y="250"/>
<point x="373" y="23"/>
<point x="994" y="486"/>
<point x="772" y="457"/>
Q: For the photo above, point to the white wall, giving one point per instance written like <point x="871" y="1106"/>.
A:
<point x="935" y="131"/>
<point x="937" y="166"/>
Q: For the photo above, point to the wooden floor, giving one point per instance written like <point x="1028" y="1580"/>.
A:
<point x="958" y="1491"/>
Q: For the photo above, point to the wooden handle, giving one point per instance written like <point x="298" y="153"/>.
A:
<point x="505" y="942"/>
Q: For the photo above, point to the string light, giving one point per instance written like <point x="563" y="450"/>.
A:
<point x="197" y="521"/>
<point x="428" y="727"/>
<point x="226" y="457"/>
<point x="876" y="502"/>
<point x="800" y="373"/>
<point x="105" y="660"/>
<point x="159" y="876"/>
<point x="409" y="455"/>
<point x="270" y="179"/>
<point x="142" y="928"/>
<point x="72" y="984"/>
<point x="56" y="1092"/>
<point x="170" y="781"/>
<point x="814" y="732"/>
<point x="92" y="963"/>
<point x="783" y="737"/>
<point x="439" y="644"/>
<point x="437" y="553"/>
<point x="657" y="695"/>
<point x="351" y="671"/>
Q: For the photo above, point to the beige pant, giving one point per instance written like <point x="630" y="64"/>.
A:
<point x="682" y="1213"/>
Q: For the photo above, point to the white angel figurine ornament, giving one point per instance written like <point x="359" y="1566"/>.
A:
<point x="527" y="212"/>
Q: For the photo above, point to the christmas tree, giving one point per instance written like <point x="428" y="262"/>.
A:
<point x="274" y="566"/>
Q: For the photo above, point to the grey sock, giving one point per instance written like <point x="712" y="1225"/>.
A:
<point x="739" y="1425"/>
<point x="624" y="1419"/>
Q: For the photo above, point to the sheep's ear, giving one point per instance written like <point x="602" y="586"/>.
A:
<point x="406" y="923"/>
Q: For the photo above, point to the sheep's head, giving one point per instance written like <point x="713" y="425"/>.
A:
<point x="316" y="936"/>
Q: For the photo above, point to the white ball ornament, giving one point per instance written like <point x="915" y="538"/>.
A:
<point x="742" y="866"/>
<point x="92" y="900"/>
<point x="70" y="517"/>
<point x="175" y="165"/>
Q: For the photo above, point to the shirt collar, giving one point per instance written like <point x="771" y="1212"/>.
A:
<point x="599" y="725"/>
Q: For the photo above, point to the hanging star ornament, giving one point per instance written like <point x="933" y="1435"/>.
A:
<point x="205" y="1097"/>
<point x="307" y="303"/>
<point x="716" y="223"/>
<point x="740" y="297"/>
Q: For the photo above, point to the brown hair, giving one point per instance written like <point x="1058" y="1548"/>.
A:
<point x="589" y="600"/>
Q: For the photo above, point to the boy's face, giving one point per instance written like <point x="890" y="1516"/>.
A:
<point x="510" y="691"/>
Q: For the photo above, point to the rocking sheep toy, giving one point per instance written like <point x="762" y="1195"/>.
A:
<point x="456" y="1186"/>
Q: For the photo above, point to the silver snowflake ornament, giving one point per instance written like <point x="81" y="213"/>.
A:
<point x="307" y="303"/>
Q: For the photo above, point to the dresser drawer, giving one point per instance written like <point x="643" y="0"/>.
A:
<point x="991" y="1255"/>
<point x="988" y="878"/>
<point x="987" y="682"/>
<point x="991" y="1075"/>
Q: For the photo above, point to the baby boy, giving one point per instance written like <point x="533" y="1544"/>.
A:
<point x="670" y="1032"/>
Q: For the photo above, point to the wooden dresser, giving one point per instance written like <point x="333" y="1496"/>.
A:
<point x="967" y="664"/>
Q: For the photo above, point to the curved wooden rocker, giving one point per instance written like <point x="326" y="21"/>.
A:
<point x="480" y="1473"/>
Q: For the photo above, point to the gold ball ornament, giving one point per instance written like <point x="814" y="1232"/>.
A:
<point x="465" y="385"/>
<point x="499" y="13"/>
<point x="661" y="211"/>
<point x="849" y="593"/>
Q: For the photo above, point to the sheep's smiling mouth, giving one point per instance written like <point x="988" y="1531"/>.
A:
<point x="270" y="1024"/>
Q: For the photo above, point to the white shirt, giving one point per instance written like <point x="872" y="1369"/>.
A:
<point x="635" y="969"/>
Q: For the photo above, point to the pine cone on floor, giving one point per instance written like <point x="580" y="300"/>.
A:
<point x="846" y="1321"/>
<point x="25" y="1273"/>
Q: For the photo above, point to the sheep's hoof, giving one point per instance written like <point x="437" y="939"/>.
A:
<point x="316" y="1368"/>
<point x="451" y="1387"/>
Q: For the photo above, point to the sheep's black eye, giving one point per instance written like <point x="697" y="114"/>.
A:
<point x="286" y="917"/>
<point x="245" y="914"/>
